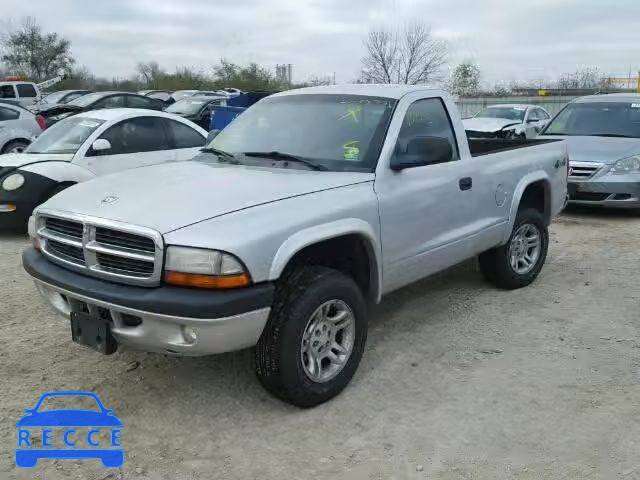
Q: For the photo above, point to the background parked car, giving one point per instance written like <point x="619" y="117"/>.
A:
<point x="163" y="95"/>
<point x="196" y="108"/>
<point x="97" y="101"/>
<point x="26" y="93"/>
<point x="17" y="127"/>
<point x="60" y="97"/>
<point x="507" y="121"/>
<point x="88" y="145"/>
<point x="603" y="140"/>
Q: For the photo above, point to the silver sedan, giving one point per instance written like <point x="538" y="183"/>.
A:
<point x="603" y="140"/>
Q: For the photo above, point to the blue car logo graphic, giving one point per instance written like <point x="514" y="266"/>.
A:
<point x="29" y="451"/>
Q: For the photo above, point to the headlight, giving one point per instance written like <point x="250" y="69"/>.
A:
<point x="13" y="182"/>
<point x="627" y="165"/>
<point x="197" y="267"/>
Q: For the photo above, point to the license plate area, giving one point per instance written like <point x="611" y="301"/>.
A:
<point x="92" y="332"/>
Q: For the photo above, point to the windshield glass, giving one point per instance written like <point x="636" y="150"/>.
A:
<point x="509" y="113"/>
<point x="340" y="132"/>
<point x="65" y="136"/>
<point x="54" y="97"/>
<point x="187" y="106"/>
<point x="597" y="119"/>
<point x="86" y="100"/>
<point x="182" y="94"/>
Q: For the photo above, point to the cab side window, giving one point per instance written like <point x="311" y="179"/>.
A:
<point x="26" y="90"/>
<point x="142" y="134"/>
<point x="7" y="91"/>
<point x="426" y="126"/>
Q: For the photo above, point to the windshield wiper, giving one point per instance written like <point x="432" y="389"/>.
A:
<point x="287" y="157"/>
<point x="224" y="156"/>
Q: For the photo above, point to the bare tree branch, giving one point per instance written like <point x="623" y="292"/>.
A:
<point x="413" y="57"/>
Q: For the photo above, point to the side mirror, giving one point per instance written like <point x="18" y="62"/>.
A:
<point x="422" y="151"/>
<point x="101" y="145"/>
<point x="212" y="134"/>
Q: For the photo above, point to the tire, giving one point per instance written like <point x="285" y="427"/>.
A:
<point x="15" y="146"/>
<point x="496" y="265"/>
<point x="281" y="362"/>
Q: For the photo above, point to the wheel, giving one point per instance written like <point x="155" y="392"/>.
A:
<point x="15" y="146"/>
<point x="517" y="263"/>
<point x="314" y="338"/>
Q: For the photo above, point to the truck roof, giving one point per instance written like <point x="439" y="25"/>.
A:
<point x="395" y="91"/>
<point x="610" y="98"/>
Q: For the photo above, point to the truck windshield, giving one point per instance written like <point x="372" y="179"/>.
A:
<point x="338" y="132"/>
<point x="606" y="119"/>
<point x="509" y="113"/>
<point x="65" y="136"/>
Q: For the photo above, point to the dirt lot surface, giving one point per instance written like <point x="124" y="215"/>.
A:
<point x="459" y="381"/>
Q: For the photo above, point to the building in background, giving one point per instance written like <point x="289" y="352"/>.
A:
<point x="284" y="73"/>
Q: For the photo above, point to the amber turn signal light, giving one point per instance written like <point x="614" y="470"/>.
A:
<point x="207" y="281"/>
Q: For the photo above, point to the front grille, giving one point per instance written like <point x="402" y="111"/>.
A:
<point x="66" y="252"/>
<point x="590" y="196"/>
<point x="127" y="266"/>
<point x="119" y="254"/>
<point x="583" y="170"/>
<point x="125" y="240"/>
<point x="65" y="227"/>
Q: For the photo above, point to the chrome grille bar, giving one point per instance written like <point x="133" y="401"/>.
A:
<point x="118" y="260"/>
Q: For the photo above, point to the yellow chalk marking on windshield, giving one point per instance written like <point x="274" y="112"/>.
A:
<point x="351" y="150"/>
<point x="352" y="112"/>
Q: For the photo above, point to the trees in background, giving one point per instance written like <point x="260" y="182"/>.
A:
<point x="465" y="80"/>
<point x="411" y="56"/>
<point x="39" y="55"/>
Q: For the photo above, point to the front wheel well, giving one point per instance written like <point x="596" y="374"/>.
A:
<point x="537" y="196"/>
<point x="351" y="254"/>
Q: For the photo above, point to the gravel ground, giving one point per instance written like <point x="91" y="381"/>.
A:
<point x="459" y="381"/>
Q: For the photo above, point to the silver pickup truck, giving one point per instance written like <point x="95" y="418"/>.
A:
<point x="290" y="226"/>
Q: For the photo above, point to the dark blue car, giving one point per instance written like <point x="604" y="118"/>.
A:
<point x="69" y="418"/>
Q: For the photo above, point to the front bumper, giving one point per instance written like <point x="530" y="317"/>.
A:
<point x="16" y="206"/>
<point x="616" y="191"/>
<point x="163" y="319"/>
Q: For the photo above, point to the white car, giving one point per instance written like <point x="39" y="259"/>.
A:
<point x="18" y="126"/>
<point x="507" y="121"/>
<point x="89" y="145"/>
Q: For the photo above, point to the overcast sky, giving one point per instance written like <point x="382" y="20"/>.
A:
<point x="509" y="39"/>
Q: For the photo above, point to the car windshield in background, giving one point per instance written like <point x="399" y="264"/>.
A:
<point x="607" y="119"/>
<point x="509" y="113"/>
<point x="339" y="132"/>
<point x="187" y="106"/>
<point x="66" y="136"/>
<point x="87" y="100"/>
<point x="54" y="97"/>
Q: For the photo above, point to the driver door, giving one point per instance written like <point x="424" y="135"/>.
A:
<point x="136" y="142"/>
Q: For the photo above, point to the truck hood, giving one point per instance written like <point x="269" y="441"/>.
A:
<point x="16" y="160"/>
<point x="171" y="196"/>
<point x="606" y="150"/>
<point x="482" y="124"/>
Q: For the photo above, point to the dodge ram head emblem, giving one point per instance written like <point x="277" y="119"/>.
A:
<point x="111" y="199"/>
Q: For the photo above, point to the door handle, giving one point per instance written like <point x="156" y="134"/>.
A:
<point x="465" y="183"/>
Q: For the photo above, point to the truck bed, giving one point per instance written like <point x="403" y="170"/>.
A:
<point x="484" y="146"/>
